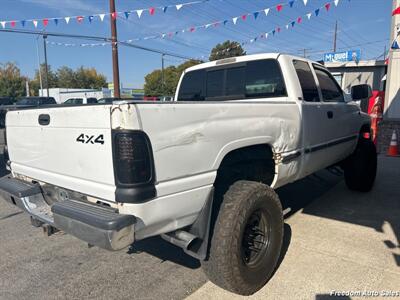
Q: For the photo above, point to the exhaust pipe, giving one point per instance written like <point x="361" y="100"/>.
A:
<point x="180" y="238"/>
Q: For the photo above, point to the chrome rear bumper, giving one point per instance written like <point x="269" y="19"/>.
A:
<point x="98" y="225"/>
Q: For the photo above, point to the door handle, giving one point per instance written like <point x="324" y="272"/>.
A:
<point x="44" y="119"/>
<point x="330" y="114"/>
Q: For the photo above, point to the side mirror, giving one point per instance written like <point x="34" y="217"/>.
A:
<point x="361" y="91"/>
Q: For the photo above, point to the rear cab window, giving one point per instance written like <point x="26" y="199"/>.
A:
<point x="243" y="80"/>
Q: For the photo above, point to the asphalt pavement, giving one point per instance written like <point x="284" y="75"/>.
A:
<point x="334" y="239"/>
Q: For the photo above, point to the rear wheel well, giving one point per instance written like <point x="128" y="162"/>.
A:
<point x="253" y="163"/>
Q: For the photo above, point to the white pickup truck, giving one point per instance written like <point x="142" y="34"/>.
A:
<point x="201" y="170"/>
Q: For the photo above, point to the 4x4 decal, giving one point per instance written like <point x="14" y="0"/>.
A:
<point x="90" y="139"/>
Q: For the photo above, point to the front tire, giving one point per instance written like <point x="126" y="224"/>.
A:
<point x="360" y="168"/>
<point x="247" y="238"/>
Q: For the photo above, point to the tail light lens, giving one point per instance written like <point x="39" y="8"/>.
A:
<point x="132" y="157"/>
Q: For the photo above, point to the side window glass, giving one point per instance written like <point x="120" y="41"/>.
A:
<point x="307" y="81"/>
<point x="331" y="92"/>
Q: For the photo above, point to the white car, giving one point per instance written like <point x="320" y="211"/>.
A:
<point x="201" y="170"/>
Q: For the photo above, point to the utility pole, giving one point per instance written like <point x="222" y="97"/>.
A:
<point x="392" y="93"/>
<point x="304" y="51"/>
<point x="162" y="73"/>
<point x="114" y="46"/>
<point x="39" y="68"/>
<point x="45" y="63"/>
<point x="335" y="38"/>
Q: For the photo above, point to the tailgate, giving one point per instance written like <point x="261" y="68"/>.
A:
<point x="73" y="150"/>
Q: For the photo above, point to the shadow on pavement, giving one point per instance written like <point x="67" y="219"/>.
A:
<point x="330" y="297"/>
<point x="157" y="247"/>
<point x="374" y="209"/>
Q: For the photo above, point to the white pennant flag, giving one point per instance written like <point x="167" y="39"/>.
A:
<point x="35" y="23"/>
<point x="207" y="25"/>
<point x="3" y="24"/>
<point x="266" y="11"/>
<point x="139" y="12"/>
<point x="163" y="35"/>
<point x="287" y="26"/>
<point x="178" y="6"/>
<point x="67" y="19"/>
<point x="102" y="17"/>
<point x="266" y="35"/>
<point x="309" y="16"/>
<point x="234" y="20"/>
<point x="305" y="2"/>
<point x="336" y="2"/>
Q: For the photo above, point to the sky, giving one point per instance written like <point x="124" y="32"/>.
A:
<point x="362" y="24"/>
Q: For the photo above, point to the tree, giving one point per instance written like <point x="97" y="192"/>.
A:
<point x="154" y="85"/>
<point x="12" y="83"/>
<point x="65" y="77"/>
<point x="226" y="49"/>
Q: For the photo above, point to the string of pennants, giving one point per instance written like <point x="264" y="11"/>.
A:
<point x="96" y="17"/>
<point x="263" y="36"/>
<point x="395" y="43"/>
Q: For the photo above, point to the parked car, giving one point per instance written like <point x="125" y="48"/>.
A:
<point x="76" y="101"/>
<point x="6" y="101"/>
<point x="201" y="171"/>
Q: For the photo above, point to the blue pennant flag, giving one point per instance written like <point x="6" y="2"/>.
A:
<point x="127" y="13"/>
<point x="90" y="19"/>
<point x="56" y="21"/>
<point x="176" y="32"/>
<point x="23" y="23"/>
<point x="317" y="12"/>
<point x="165" y="8"/>
<point x="293" y="23"/>
<point x="273" y="32"/>
<point x="255" y="39"/>
<point x="291" y="3"/>
<point x="226" y="21"/>
<point x="395" y="45"/>
<point x="255" y="14"/>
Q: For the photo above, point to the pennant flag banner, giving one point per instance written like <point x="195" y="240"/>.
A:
<point x="90" y="18"/>
<point x="265" y="35"/>
<point x="396" y="11"/>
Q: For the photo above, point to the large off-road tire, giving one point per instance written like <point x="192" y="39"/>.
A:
<point x="360" y="167"/>
<point x="247" y="238"/>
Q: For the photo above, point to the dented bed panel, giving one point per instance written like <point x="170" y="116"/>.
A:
<point x="193" y="138"/>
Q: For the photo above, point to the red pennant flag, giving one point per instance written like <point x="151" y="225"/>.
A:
<point x="114" y="15"/>
<point x="152" y="10"/>
<point x="79" y="19"/>
<point x="45" y="22"/>
<point x="192" y="29"/>
<point x="12" y="23"/>
<point x="299" y="19"/>
<point x="278" y="29"/>
<point x="244" y="17"/>
<point x="327" y="6"/>
<point x="279" y="7"/>
<point x="396" y="11"/>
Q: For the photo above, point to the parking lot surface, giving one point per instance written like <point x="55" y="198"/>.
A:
<point x="334" y="240"/>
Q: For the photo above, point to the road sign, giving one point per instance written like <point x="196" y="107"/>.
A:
<point x="352" y="55"/>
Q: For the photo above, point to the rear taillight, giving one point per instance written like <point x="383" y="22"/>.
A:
<point x="132" y="157"/>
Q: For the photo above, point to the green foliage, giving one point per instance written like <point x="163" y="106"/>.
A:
<point x="65" y="77"/>
<point x="154" y="81"/>
<point x="226" y="49"/>
<point x="12" y="83"/>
